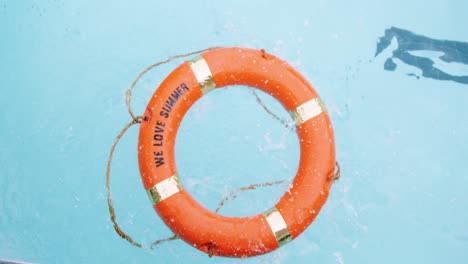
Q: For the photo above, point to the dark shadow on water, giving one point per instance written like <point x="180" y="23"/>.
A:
<point x="454" y="51"/>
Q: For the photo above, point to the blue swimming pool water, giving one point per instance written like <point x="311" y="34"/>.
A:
<point x="401" y="134"/>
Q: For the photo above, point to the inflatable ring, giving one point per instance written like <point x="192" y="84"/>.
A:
<point x="236" y="236"/>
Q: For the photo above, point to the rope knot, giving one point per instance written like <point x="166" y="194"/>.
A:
<point x="137" y="120"/>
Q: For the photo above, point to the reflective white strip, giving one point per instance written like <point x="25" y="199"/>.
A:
<point x="308" y="110"/>
<point x="278" y="226"/>
<point x="164" y="189"/>
<point x="202" y="72"/>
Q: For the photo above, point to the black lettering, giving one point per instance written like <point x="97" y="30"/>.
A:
<point x="184" y="87"/>
<point x="158" y="129"/>
<point x="164" y="114"/>
<point x="158" y="158"/>
<point x="171" y="101"/>
<point x="167" y="108"/>
<point x="159" y="161"/>
<point x="158" y="136"/>
<point x="175" y="95"/>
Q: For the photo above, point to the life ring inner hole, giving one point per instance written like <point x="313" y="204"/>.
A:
<point x="227" y="140"/>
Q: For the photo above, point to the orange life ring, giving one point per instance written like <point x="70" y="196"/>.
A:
<point x="236" y="236"/>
